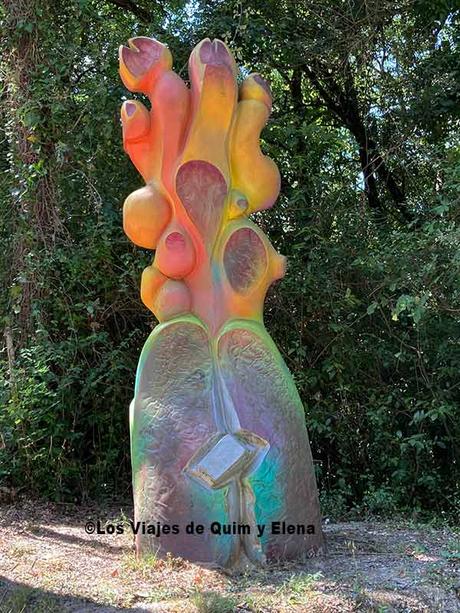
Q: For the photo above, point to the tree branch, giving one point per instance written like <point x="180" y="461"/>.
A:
<point x="344" y="104"/>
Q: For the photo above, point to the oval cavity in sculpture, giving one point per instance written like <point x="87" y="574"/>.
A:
<point x="202" y="190"/>
<point x="245" y="260"/>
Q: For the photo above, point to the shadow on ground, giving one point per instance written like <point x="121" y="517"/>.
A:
<point x="19" y="597"/>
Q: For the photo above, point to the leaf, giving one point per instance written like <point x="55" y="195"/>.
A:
<point x="371" y="308"/>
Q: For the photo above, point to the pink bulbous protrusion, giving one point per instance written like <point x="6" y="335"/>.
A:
<point x="175" y="255"/>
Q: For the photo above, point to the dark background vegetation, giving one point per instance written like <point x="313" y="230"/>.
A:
<point x="365" y="130"/>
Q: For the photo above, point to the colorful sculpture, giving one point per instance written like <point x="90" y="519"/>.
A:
<point x="218" y="438"/>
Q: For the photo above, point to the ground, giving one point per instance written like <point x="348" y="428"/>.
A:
<point x="48" y="564"/>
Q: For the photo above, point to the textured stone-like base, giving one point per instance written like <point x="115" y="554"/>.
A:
<point x="219" y="439"/>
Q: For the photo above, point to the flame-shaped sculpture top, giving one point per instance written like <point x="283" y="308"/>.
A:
<point x="198" y="152"/>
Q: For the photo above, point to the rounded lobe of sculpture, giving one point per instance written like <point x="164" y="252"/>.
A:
<point x="172" y="299"/>
<point x="268" y="404"/>
<point x="135" y="119"/>
<point x="214" y="96"/>
<point x="142" y="139"/>
<point x="151" y="281"/>
<point x="254" y="87"/>
<point x="142" y="62"/>
<point x="146" y="212"/>
<point x="175" y="255"/>
<point x="245" y="260"/>
<point x="171" y="109"/>
<point x="212" y="120"/>
<point x="209" y="53"/>
<point x="278" y="265"/>
<point x="253" y="174"/>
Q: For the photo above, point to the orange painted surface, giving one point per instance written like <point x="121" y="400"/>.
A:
<point x="198" y="152"/>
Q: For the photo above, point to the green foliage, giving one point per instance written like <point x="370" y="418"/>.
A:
<point x="368" y="315"/>
<point x="366" y="320"/>
<point x="65" y="395"/>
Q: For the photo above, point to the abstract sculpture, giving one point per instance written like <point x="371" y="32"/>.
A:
<point x="221" y="460"/>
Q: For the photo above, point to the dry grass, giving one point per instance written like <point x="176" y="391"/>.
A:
<point x="48" y="563"/>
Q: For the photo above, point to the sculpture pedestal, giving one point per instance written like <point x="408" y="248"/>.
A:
<point x="221" y="442"/>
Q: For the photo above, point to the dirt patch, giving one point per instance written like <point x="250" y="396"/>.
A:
<point x="48" y="563"/>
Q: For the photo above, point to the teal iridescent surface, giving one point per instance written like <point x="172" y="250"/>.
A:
<point x="174" y="417"/>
